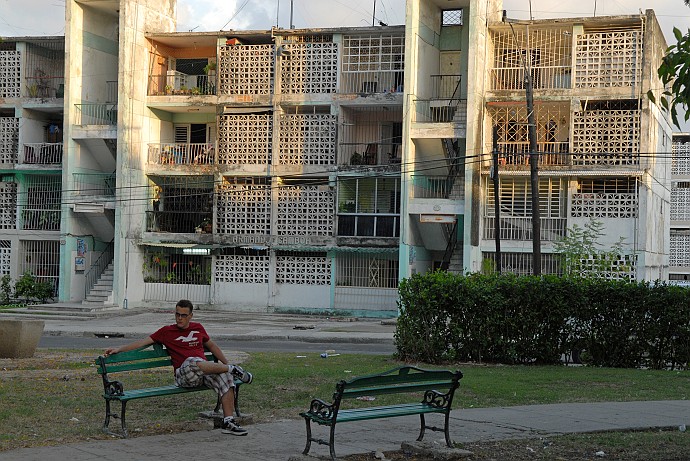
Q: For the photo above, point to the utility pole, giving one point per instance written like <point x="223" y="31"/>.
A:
<point x="497" y="201"/>
<point x="534" y="163"/>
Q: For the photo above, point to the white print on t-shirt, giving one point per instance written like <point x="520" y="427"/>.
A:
<point x="189" y="338"/>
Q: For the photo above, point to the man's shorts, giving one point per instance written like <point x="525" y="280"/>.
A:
<point x="190" y="375"/>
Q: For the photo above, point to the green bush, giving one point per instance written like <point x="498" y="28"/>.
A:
<point x="523" y="319"/>
<point x="29" y="289"/>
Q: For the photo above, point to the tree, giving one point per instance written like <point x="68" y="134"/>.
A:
<point x="581" y="255"/>
<point x="675" y="71"/>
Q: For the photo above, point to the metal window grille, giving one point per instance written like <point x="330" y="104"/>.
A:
<point x="41" y="258"/>
<point x="452" y="17"/>
<point x="547" y="52"/>
<point x="171" y="265"/>
<point x="372" y="63"/>
<point x="40" y="202"/>
<point x="302" y="268"/>
<point x="370" y="136"/>
<point x="180" y="204"/>
<point x="366" y="270"/>
<point x="552" y="122"/>
<point x="45" y="68"/>
<point x="516" y="209"/>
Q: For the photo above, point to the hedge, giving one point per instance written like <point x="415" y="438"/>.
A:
<point x="525" y="319"/>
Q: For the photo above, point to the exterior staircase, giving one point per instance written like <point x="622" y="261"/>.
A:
<point x="102" y="292"/>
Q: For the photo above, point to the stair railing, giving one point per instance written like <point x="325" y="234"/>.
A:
<point x="98" y="267"/>
<point x="453" y="165"/>
<point x="452" y="237"/>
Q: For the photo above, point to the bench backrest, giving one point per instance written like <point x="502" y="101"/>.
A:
<point x="139" y="359"/>
<point x="398" y="380"/>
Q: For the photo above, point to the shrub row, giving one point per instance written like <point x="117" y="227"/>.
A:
<point x="524" y="319"/>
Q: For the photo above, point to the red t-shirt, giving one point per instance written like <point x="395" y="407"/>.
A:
<point x="182" y="344"/>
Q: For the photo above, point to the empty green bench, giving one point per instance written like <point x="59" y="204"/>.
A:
<point x="150" y="357"/>
<point x="437" y="388"/>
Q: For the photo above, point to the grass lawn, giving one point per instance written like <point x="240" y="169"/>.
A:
<point x="55" y="397"/>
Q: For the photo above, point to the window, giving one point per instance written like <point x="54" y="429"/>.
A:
<point x="452" y="17"/>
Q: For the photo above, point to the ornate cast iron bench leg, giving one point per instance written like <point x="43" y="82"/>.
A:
<point x="446" y="430"/>
<point x="306" y="448"/>
<point x="422" y="428"/>
<point x="331" y="442"/>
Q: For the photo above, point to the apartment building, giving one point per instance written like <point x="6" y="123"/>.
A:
<point x="309" y="170"/>
<point x="31" y="152"/>
<point x="597" y="136"/>
<point x="679" y="256"/>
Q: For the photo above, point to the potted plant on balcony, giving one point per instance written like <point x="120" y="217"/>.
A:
<point x="206" y="226"/>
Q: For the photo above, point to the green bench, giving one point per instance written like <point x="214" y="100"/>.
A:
<point x="428" y="383"/>
<point x="150" y="357"/>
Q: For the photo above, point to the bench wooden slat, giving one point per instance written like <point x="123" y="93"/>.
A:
<point x="399" y="389"/>
<point x="392" y="379"/>
<point x="360" y="414"/>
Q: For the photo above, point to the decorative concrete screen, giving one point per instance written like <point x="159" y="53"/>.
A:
<point x="9" y="135"/>
<point x="303" y="268"/>
<point x="307" y="139"/>
<point x="242" y="268"/>
<point x="305" y="210"/>
<point x="245" y="139"/>
<point x="246" y="69"/>
<point x="607" y="133"/>
<point x="244" y="206"/>
<point x="309" y="68"/>
<point x="680" y="249"/>
<point x="680" y="164"/>
<point x="605" y="198"/>
<point x="10" y="67"/>
<point x="608" y="59"/>
<point x="8" y="205"/>
<point x="680" y="202"/>
<point x="5" y="252"/>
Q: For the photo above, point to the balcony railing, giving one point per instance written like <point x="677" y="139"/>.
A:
<point x="543" y="77"/>
<point x="177" y="83"/>
<point x="368" y="225"/>
<point x="369" y="154"/>
<point x="437" y="187"/>
<point x="45" y="87"/>
<point x="517" y="153"/>
<point x="176" y="222"/>
<point x="372" y="82"/>
<point x="175" y="153"/>
<point x="96" y="114"/>
<point x="94" y="184"/>
<point x="521" y="228"/>
<point x="445" y="86"/>
<point x="42" y="153"/>
<point x="440" y="110"/>
<point x="40" y="219"/>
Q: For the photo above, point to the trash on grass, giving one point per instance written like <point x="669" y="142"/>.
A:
<point x="366" y="398"/>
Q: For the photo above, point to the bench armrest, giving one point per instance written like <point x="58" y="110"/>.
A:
<point x="321" y="409"/>
<point x="438" y="399"/>
<point x="113" y="388"/>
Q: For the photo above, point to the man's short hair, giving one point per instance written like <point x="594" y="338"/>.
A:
<point x="186" y="304"/>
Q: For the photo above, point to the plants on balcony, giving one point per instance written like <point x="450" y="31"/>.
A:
<point x="168" y="89"/>
<point x="210" y="67"/>
<point x="33" y="90"/>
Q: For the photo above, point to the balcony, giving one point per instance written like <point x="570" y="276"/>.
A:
<point x="40" y="219"/>
<point x="549" y="153"/>
<point x="437" y="187"/>
<point x="177" y="222"/>
<point x="96" y="114"/>
<point x="45" y="86"/>
<point x="518" y="228"/>
<point x="42" y="153"/>
<point x="179" y="84"/>
<point x="175" y="153"/>
<point x="94" y="184"/>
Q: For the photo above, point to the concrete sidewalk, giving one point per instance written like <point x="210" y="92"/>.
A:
<point x="284" y="440"/>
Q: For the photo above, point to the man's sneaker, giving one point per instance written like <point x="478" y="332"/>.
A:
<point x="231" y="427"/>
<point x="242" y="375"/>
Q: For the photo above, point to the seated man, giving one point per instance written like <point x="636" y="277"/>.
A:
<point x="185" y="341"/>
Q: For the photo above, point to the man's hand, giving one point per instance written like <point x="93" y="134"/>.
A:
<point x="111" y="350"/>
